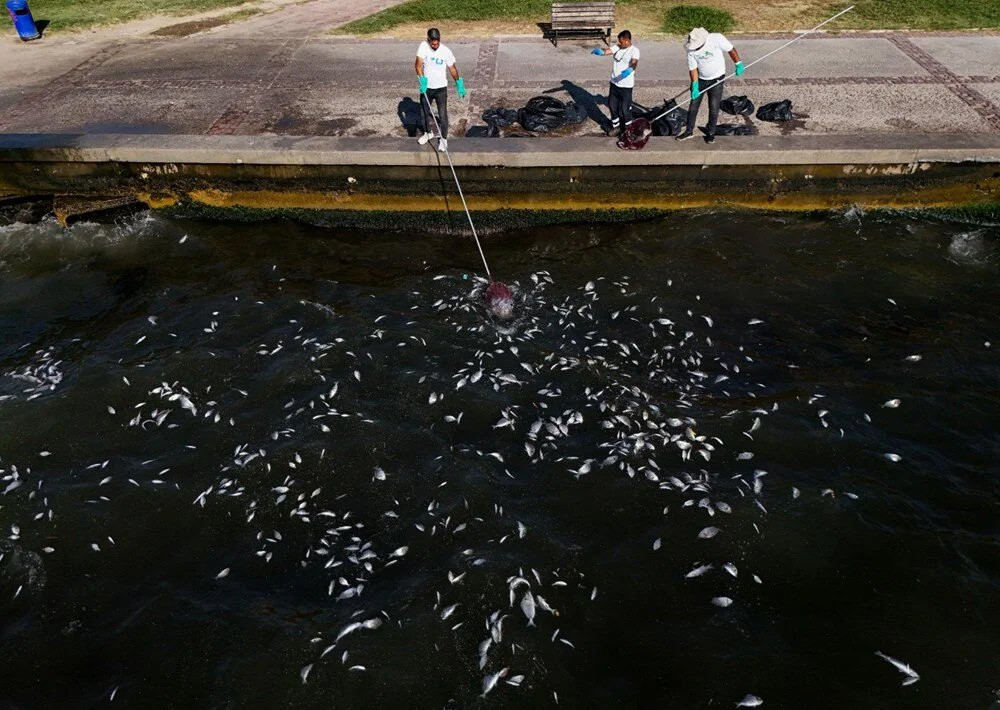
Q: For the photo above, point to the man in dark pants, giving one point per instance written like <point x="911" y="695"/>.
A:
<point x="626" y="56"/>
<point x="707" y="66"/>
<point x="434" y="62"/>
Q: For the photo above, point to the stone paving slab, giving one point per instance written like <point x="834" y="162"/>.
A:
<point x="127" y="110"/>
<point x="190" y="59"/>
<point x="962" y="55"/>
<point x="360" y="65"/>
<point x="227" y="85"/>
<point x="851" y="58"/>
<point x="554" y="152"/>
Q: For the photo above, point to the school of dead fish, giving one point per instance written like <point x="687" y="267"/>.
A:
<point x="623" y="426"/>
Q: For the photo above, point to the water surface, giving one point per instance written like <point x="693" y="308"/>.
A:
<point x="298" y="405"/>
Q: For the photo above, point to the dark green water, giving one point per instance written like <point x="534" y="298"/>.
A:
<point x="179" y="374"/>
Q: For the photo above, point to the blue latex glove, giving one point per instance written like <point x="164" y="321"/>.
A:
<point x="626" y="73"/>
<point x="423" y="84"/>
<point x="599" y="52"/>
<point x="460" y="87"/>
<point x="740" y="69"/>
<point x="695" y="93"/>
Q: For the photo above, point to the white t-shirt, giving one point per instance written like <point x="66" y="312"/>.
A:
<point x="710" y="59"/>
<point x="623" y="57"/>
<point x="436" y="64"/>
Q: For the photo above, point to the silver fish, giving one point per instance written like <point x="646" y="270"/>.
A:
<point x="528" y="607"/>
<point x="750" y="701"/>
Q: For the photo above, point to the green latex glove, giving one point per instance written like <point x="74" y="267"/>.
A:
<point x="740" y="69"/>
<point x="460" y="87"/>
<point x="695" y="93"/>
<point x="423" y="84"/>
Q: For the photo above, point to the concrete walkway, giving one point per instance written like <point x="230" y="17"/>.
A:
<point x="283" y="75"/>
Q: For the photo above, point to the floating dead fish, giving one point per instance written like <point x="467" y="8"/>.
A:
<point x="722" y="601"/>
<point x="750" y="701"/>
<point x="911" y="675"/>
<point x="708" y="533"/>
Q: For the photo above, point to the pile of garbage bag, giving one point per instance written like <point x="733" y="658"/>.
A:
<point x="540" y="115"/>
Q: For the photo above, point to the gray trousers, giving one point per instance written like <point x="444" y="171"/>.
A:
<point x="439" y="96"/>
<point x="714" y="99"/>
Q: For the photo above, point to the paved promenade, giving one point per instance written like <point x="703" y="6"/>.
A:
<point x="264" y="76"/>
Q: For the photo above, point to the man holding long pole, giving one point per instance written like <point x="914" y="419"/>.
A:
<point x="707" y="66"/>
<point x="434" y="62"/>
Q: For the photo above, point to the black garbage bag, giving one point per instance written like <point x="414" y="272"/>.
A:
<point x="670" y="122"/>
<point x="542" y="113"/>
<point x="500" y="117"/>
<point x="728" y="129"/>
<point x="737" y="105"/>
<point x="777" y="111"/>
<point x="673" y="123"/>
<point x="575" y="113"/>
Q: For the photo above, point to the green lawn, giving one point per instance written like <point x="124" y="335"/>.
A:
<point x="676" y="18"/>
<point x="77" y="14"/>
<point x="435" y="11"/>
<point x="923" y="14"/>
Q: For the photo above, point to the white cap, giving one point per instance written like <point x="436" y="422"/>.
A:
<point x="696" y="37"/>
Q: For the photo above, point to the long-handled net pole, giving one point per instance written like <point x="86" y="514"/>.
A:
<point x="747" y="66"/>
<point x="459" y="186"/>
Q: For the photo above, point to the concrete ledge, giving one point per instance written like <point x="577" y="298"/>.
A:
<point x="869" y="150"/>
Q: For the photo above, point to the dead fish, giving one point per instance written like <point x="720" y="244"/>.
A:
<point x="448" y="611"/>
<point x="528" y="607"/>
<point x="895" y="458"/>
<point x="722" y="601"/>
<point x="914" y="358"/>
<point x="708" y="533"/>
<point x="224" y="573"/>
<point x="490" y="681"/>
<point x="911" y="675"/>
<point x="731" y="568"/>
<point x="698" y="571"/>
<point x="750" y="701"/>
<point x="304" y="673"/>
<point x="891" y="403"/>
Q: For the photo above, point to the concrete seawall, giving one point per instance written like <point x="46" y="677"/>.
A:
<point x="343" y="179"/>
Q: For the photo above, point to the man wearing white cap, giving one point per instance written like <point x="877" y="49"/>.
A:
<point x="707" y="63"/>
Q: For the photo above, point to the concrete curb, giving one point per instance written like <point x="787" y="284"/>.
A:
<point x="908" y="149"/>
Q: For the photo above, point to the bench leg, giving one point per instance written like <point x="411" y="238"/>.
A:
<point x="556" y="33"/>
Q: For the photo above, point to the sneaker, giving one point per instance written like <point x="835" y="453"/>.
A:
<point x="683" y="136"/>
<point x="443" y="145"/>
<point x="710" y="138"/>
<point x="422" y="140"/>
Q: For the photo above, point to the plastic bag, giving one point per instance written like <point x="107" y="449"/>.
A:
<point x="728" y="129"/>
<point x="575" y="113"/>
<point x="500" y="117"/>
<point x="737" y="105"/>
<point x="778" y="111"/>
<point x="542" y="113"/>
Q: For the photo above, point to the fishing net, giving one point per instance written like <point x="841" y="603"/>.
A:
<point x="636" y="134"/>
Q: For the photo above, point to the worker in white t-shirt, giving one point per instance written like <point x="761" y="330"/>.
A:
<point x="434" y="63"/>
<point x="626" y="56"/>
<point x="706" y="55"/>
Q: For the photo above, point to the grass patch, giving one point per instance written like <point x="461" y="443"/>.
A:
<point x="437" y="12"/>
<point x="922" y="14"/>
<point x="672" y="18"/>
<point x="78" y="14"/>
<point x="680" y="19"/>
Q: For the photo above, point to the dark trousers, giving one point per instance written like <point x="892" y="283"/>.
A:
<point x="440" y="96"/>
<point x="714" y="99"/>
<point x="620" y="103"/>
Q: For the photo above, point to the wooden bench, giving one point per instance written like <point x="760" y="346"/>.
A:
<point x="583" y="17"/>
